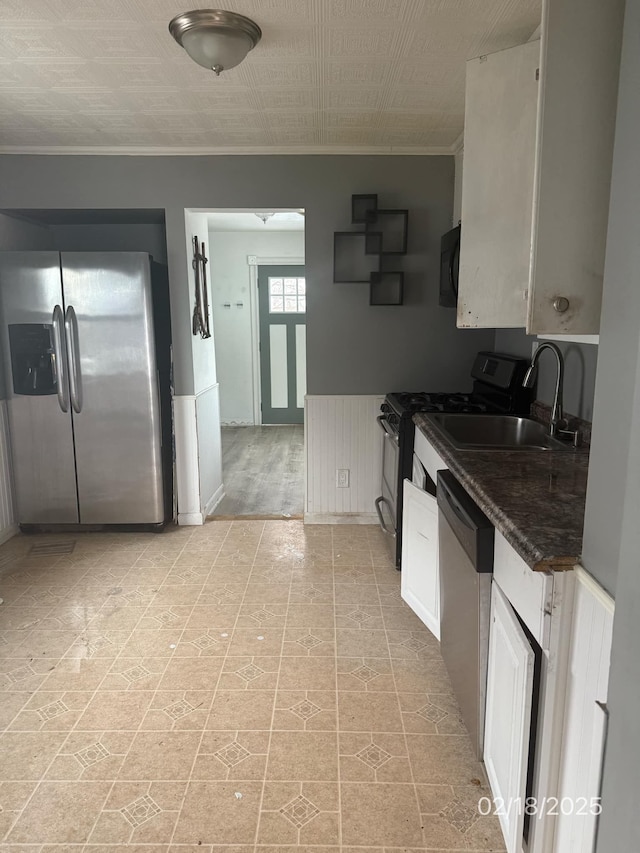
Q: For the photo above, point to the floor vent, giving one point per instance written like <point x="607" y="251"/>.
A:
<point x="52" y="549"/>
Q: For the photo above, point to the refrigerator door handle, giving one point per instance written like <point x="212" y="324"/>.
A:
<point x="59" y="359"/>
<point x="75" y="382"/>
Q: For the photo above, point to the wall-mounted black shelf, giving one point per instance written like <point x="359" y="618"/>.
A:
<point x="393" y="225"/>
<point x="386" y="288"/>
<point x="358" y="255"/>
<point x="352" y="263"/>
<point x="361" y="207"/>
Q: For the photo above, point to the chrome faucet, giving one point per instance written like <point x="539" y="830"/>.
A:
<point x="557" y="415"/>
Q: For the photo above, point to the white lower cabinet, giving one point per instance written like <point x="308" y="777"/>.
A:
<point x="585" y="718"/>
<point x="508" y="717"/>
<point x="420" y="582"/>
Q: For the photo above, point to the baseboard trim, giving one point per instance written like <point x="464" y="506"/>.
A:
<point x="8" y="533"/>
<point x="337" y="518"/>
<point x="190" y="519"/>
<point x="214" y="500"/>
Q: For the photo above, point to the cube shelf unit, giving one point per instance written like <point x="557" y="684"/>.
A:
<point x="358" y="255"/>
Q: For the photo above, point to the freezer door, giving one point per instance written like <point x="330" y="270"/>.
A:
<point x="33" y="357"/>
<point x="114" y="389"/>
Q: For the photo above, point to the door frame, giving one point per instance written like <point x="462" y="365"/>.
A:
<point x="255" y="261"/>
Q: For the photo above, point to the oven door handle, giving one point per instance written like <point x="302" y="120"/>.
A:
<point x="383" y="500"/>
<point x="387" y="434"/>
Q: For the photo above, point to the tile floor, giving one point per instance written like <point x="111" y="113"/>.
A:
<point x="238" y="687"/>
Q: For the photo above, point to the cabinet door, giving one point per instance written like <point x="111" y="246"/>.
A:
<point x="497" y="187"/>
<point x="578" y="99"/>
<point x="420" y="580"/>
<point x="508" y="716"/>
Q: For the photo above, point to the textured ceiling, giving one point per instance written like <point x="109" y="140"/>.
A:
<point x="328" y="75"/>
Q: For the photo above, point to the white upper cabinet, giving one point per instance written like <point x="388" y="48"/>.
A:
<point x="497" y="187"/>
<point x="535" y="192"/>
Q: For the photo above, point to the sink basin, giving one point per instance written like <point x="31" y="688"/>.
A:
<point x="495" y="432"/>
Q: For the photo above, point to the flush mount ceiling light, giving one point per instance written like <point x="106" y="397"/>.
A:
<point x="215" y="39"/>
<point x="264" y="216"/>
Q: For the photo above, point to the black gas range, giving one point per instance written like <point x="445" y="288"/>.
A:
<point x="497" y="388"/>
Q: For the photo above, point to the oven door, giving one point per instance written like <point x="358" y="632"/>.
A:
<point x="387" y="503"/>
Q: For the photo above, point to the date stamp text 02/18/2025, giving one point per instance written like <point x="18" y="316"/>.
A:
<point x="540" y="807"/>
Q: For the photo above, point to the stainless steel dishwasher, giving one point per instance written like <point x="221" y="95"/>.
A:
<point x="466" y="567"/>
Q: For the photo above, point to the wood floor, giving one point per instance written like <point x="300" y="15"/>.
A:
<point x="262" y="471"/>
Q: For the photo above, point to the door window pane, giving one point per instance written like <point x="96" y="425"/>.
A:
<point x="287" y="295"/>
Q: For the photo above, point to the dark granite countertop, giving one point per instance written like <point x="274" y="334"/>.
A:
<point x="535" y="499"/>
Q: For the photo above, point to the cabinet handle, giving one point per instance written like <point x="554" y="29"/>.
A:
<point x="561" y="304"/>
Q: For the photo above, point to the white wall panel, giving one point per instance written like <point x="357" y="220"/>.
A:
<point x="187" y="469"/>
<point x="7" y="518"/>
<point x="278" y="356"/>
<point x="341" y="432"/>
<point x="209" y="449"/>
<point x="301" y="365"/>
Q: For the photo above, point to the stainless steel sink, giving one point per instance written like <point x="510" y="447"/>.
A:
<point x="495" y="432"/>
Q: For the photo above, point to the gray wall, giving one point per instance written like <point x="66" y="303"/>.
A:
<point x="612" y="531"/>
<point x="580" y="362"/>
<point x="19" y="235"/>
<point x="352" y="348"/>
<point x="111" y="238"/>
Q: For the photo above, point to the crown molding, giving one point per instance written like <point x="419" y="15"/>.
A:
<point x="236" y="150"/>
<point x="458" y="145"/>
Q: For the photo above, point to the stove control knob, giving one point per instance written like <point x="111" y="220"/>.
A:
<point x="561" y="304"/>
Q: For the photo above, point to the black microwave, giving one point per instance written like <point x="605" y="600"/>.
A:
<point x="449" y="267"/>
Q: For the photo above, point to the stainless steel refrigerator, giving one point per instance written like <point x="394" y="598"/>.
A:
<point x="86" y="368"/>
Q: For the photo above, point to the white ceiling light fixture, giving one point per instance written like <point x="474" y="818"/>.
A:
<point x="264" y="216"/>
<point x="215" y="39"/>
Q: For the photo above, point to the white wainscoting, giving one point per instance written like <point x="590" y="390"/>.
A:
<point x="8" y="526"/>
<point x="187" y="470"/>
<point x="209" y="448"/>
<point x="341" y="432"/>
<point x="585" y="717"/>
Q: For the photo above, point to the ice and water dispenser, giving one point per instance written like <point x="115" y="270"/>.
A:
<point x="33" y="361"/>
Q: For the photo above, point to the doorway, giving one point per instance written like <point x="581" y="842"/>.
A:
<point x="257" y="280"/>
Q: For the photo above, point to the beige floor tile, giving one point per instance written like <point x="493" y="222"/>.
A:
<point x="443" y="759"/>
<point x="420" y="676"/>
<point x="160" y="755"/>
<point x="306" y="710"/>
<point x="213" y="814"/>
<point x="401" y="618"/>
<point x="299" y="814"/>
<point x="169" y="594"/>
<point x="258" y="641"/>
<point x="249" y="673"/>
<point x="115" y="710"/>
<point x="413" y="645"/>
<point x="178" y="710"/>
<point x="199" y="642"/>
<point x="241" y="709"/>
<point x="51" y="711"/>
<point x="91" y="756"/>
<point x="356" y="594"/>
<point x="310" y="616"/>
<point x="307" y="673"/>
<point x="373" y="757"/>
<point x="262" y="615"/>
<point x="354" y="642"/>
<point x="364" y="616"/>
<point x="26" y="755"/>
<point x="175" y="616"/>
<point x="305" y="756"/>
<point x="10" y="705"/>
<point x="222" y="593"/>
<point x="266" y="593"/>
<point x="151" y="642"/>
<point x="379" y="712"/>
<point x="139" y="812"/>
<point x="228" y="755"/>
<point x="46" y="818"/>
<point x="191" y="674"/>
<point x="49" y="644"/>
<point x="13" y="796"/>
<point x="312" y="642"/>
<point x="365" y="674"/>
<point x="380" y="815"/>
<point x="312" y="592"/>
<point x="134" y="674"/>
